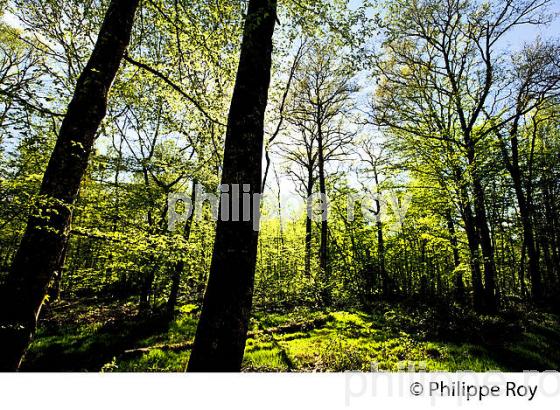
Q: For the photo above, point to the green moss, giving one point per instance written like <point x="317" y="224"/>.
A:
<point x="351" y="342"/>
<point x="265" y="360"/>
<point x="154" y="361"/>
<point x="387" y="339"/>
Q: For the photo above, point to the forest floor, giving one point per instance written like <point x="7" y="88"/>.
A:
<point x="101" y="335"/>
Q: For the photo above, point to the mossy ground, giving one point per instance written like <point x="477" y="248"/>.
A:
<point x="101" y="336"/>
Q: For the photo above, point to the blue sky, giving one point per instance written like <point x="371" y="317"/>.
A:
<point x="526" y="34"/>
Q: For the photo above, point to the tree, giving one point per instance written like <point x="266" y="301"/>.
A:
<point x="45" y="238"/>
<point x="375" y="164"/>
<point x="321" y="99"/>
<point x="180" y="265"/>
<point x="536" y="81"/>
<point x="222" y="329"/>
<point x="442" y="66"/>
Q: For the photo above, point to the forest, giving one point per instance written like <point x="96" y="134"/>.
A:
<point x="279" y="185"/>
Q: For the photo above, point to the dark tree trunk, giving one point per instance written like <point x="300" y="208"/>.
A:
<point x="382" y="271"/>
<point x="155" y="227"/>
<point x="180" y="265"/>
<point x="474" y="252"/>
<point x="552" y="227"/>
<point x="174" y="293"/>
<point x="525" y="211"/>
<point x="43" y="242"/>
<point x="491" y="303"/>
<point x="146" y="289"/>
<point x="308" y="224"/>
<point x="386" y="289"/>
<point x="529" y="241"/>
<point x="473" y="240"/>
<point x="481" y="221"/>
<point x="453" y="240"/>
<point x="459" y="284"/>
<point x="521" y="271"/>
<point x="222" y="329"/>
<point x="323" y="246"/>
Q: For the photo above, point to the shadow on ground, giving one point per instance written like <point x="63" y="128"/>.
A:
<point x="86" y="336"/>
<point x="100" y="335"/>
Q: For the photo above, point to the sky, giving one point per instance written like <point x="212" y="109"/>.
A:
<point x="526" y="34"/>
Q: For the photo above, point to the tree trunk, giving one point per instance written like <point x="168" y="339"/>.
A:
<point x="47" y="230"/>
<point x="529" y="241"/>
<point x="524" y="203"/>
<point x="473" y="240"/>
<point x="308" y="224"/>
<point x="222" y="329"/>
<point x="323" y="249"/>
<point x="146" y="289"/>
<point x="481" y="221"/>
<point x="180" y="265"/>
<point x="459" y="284"/>
<point x="474" y="252"/>
<point x="386" y="289"/>
<point x="551" y="230"/>
<point x="491" y="303"/>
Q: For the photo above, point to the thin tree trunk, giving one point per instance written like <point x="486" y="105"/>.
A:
<point x="459" y="284"/>
<point x="491" y="302"/>
<point x="180" y="265"/>
<point x="222" y="329"/>
<point x="529" y="241"/>
<point x="525" y="211"/>
<point x="308" y="225"/>
<point x="524" y="201"/>
<point x="552" y="228"/>
<point x="386" y="289"/>
<point x="149" y="277"/>
<point x="323" y="246"/>
<point x="146" y="289"/>
<point x="481" y="220"/>
<point x="43" y="242"/>
<point x="473" y="241"/>
<point x="382" y="270"/>
<point x="474" y="252"/>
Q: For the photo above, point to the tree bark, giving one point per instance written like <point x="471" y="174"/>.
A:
<point x="222" y="329"/>
<point x="47" y="231"/>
